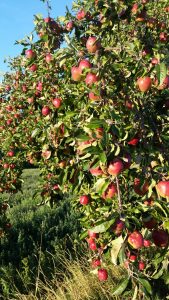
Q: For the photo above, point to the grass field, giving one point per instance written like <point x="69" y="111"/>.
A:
<point x="42" y="257"/>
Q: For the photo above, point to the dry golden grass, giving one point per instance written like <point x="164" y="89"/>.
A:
<point x="77" y="283"/>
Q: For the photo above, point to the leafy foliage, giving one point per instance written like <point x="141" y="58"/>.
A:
<point x="93" y="116"/>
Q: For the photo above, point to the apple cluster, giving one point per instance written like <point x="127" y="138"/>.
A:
<point x="93" y="117"/>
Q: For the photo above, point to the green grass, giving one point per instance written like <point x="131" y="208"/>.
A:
<point x="36" y="236"/>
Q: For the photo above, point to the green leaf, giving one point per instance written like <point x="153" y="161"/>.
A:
<point x="121" y="287"/>
<point x="135" y="293"/>
<point x="96" y="123"/>
<point x="103" y="226"/>
<point x="145" y="283"/>
<point x="115" y="249"/>
<point x="161" y="72"/>
<point x="35" y="132"/>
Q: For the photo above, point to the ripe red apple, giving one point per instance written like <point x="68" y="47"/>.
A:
<point x="133" y="257"/>
<point x="136" y="240"/>
<point x="84" y="64"/>
<point x="92" y="234"/>
<point x="84" y="200"/>
<point x="160" y="238"/>
<point x="39" y="86"/>
<point x="10" y="153"/>
<point x="92" y="44"/>
<point x="57" y="102"/>
<point x="47" y="20"/>
<point x="33" y="68"/>
<point x="133" y="142"/>
<point x="115" y="167"/>
<point x="69" y="25"/>
<point x="140" y="190"/>
<point x="163" y="37"/>
<point x="30" y="100"/>
<point x="144" y="83"/>
<point x="30" y="54"/>
<point x="80" y="14"/>
<point x="147" y="243"/>
<point x="96" y="171"/>
<point x="45" y="111"/>
<point x="163" y="188"/>
<point x="118" y="227"/>
<point x="48" y="57"/>
<point x="149" y="222"/>
<point x="134" y="8"/>
<point x="92" y="244"/>
<point x="154" y="61"/>
<point x="102" y="274"/>
<point x="110" y="192"/>
<point x="91" y="78"/>
<point x="94" y="97"/>
<point x="76" y="74"/>
<point x="96" y="263"/>
<point x="6" y="166"/>
<point x="141" y="265"/>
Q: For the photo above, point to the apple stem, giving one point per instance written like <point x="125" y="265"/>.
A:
<point x="119" y="196"/>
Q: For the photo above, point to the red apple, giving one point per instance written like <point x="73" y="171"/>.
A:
<point x="102" y="274"/>
<point x="160" y="238"/>
<point x="84" y="64"/>
<point x="33" y="68"/>
<point x="91" y="78"/>
<point x="6" y="166"/>
<point x="115" y="167"/>
<point x="96" y="263"/>
<point x="92" y="44"/>
<point x="163" y="37"/>
<point x="154" y="61"/>
<point x="141" y="265"/>
<point x="149" y="222"/>
<point x="134" y="8"/>
<point x="80" y="14"/>
<point x="110" y="192"/>
<point x="10" y="153"/>
<point x="140" y="190"/>
<point x="163" y="188"/>
<point x="47" y="20"/>
<point x="84" y="200"/>
<point x="92" y="244"/>
<point x="94" y="97"/>
<point x="147" y="243"/>
<point x="45" y="111"/>
<point x="57" y="102"/>
<point x="92" y="234"/>
<point x="30" y="54"/>
<point x="136" y="240"/>
<point x="144" y="83"/>
<point x="133" y="257"/>
<point x="96" y="171"/>
<point x="39" y="86"/>
<point x="30" y="100"/>
<point x="133" y="142"/>
<point x="69" y="25"/>
<point x="118" y="227"/>
<point x="48" y="57"/>
<point x="76" y="74"/>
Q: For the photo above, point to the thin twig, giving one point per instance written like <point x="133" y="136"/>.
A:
<point x="119" y="196"/>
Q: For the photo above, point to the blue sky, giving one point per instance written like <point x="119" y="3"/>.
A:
<point x="16" y="21"/>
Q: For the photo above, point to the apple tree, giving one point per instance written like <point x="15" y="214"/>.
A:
<point x="92" y="114"/>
